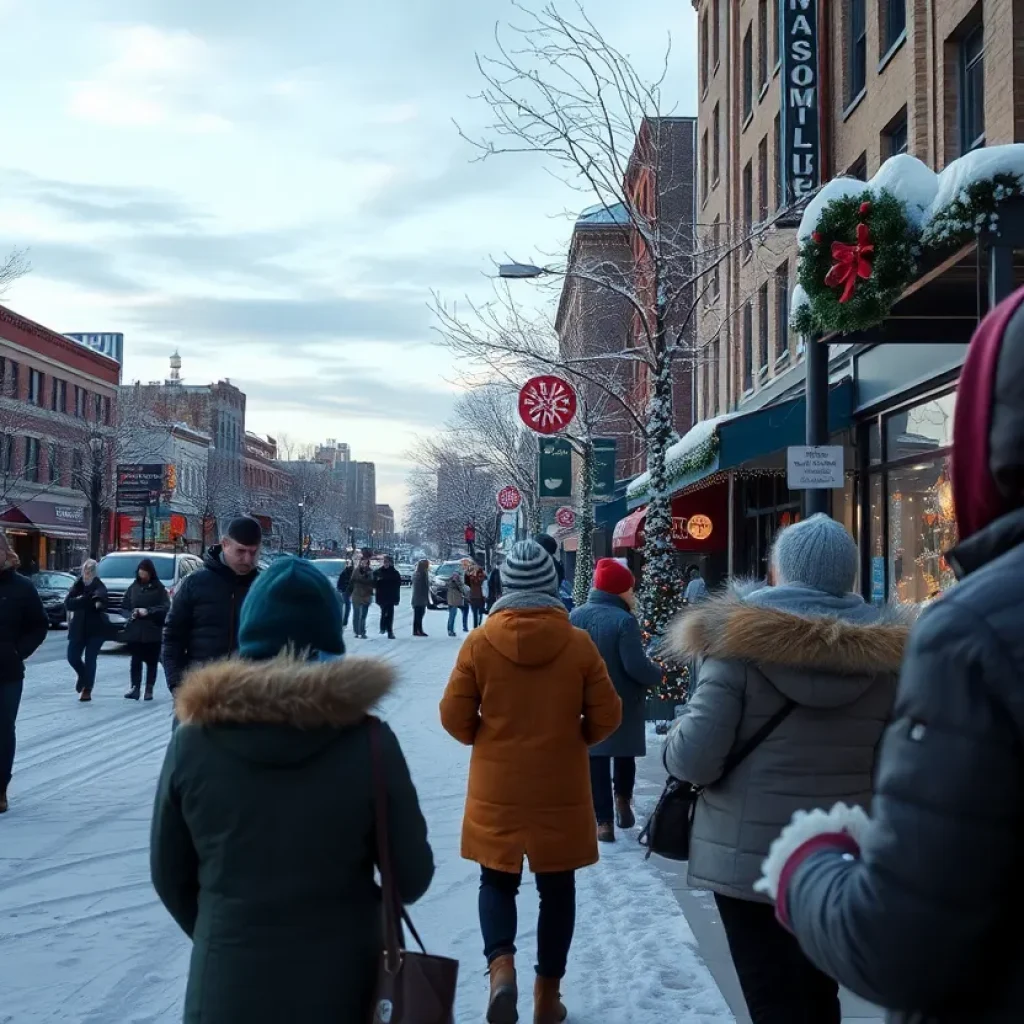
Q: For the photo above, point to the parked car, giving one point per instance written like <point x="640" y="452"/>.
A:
<point x="330" y="567"/>
<point x="406" y="570"/>
<point x="117" y="570"/>
<point x="53" y="588"/>
<point x="439" y="577"/>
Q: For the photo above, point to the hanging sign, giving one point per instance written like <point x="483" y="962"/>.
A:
<point x="547" y="404"/>
<point x="800" y="159"/>
<point x="699" y="527"/>
<point x="813" y="468"/>
<point x="509" y="498"/>
<point x="565" y="517"/>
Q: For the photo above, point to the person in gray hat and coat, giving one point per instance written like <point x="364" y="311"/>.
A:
<point x="609" y="619"/>
<point x="811" y="656"/>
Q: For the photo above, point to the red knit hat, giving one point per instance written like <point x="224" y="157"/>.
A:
<point x="612" y="577"/>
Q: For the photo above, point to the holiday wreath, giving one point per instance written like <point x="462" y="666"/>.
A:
<point x="861" y="255"/>
<point x="973" y="209"/>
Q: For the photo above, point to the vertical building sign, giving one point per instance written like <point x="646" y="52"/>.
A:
<point x="801" y="98"/>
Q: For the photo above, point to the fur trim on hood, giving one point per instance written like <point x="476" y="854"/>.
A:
<point x="284" y="691"/>
<point x="727" y="627"/>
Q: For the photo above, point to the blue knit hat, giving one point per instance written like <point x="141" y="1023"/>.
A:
<point x="528" y="567"/>
<point x="818" y="553"/>
<point x="291" y="604"/>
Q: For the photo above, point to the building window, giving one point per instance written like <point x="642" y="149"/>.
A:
<point x="894" y="138"/>
<point x="776" y="50"/>
<point x="715" y="356"/>
<point x="704" y="182"/>
<point x="859" y="170"/>
<point x="762" y="328"/>
<point x="748" y="208"/>
<point x="59" y="395"/>
<point x="52" y="463"/>
<point x="857" y="49"/>
<point x="35" y="387"/>
<point x="780" y="188"/>
<point x="762" y="43"/>
<point x="748" y="347"/>
<point x="704" y="65"/>
<point x="32" y="459"/>
<point x="716" y="242"/>
<point x="97" y="408"/>
<point x="716" y="136"/>
<point x="894" y="22"/>
<point x="80" y="402"/>
<point x="15" y="382"/>
<point x="762" y="181"/>
<point x="706" y="383"/>
<point x="106" y="410"/>
<point x="748" y="72"/>
<point x="782" y="311"/>
<point x="972" y="90"/>
<point x="6" y="454"/>
<point x="77" y="467"/>
<point x="716" y="31"/>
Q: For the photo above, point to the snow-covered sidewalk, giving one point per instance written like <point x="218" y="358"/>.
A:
<point x="83" y="938"/>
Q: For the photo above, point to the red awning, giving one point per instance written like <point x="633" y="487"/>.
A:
<point x="628" y="532"/>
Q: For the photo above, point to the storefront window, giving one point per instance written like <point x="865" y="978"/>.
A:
<point x="921" y="430"/>
<point x="877" y="528"/>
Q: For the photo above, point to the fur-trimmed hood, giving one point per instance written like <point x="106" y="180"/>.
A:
<point x="286" y="691"/>
<point x="795" y="652"/>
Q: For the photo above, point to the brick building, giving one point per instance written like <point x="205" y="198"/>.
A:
<point x="267" y="483"/>
<point x="58" y="409"/>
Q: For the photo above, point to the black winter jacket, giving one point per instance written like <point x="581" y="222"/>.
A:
<point x="389" y="586"/>
<point x="23" y="624"/>
<point x="202" y="624"/>
<point x="152" y="597"/>
<point x="927" y="922"/>
<point x="88" y="606"/>
<point x="344" y="579"/>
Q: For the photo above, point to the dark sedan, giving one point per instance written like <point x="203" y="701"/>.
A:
<point x="53" y="588"/>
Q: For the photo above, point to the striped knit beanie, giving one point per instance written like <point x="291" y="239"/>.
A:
<point x="528" y="567"/>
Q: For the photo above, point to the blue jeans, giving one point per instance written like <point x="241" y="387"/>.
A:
<point x="605" y="785"/>
<point x="85" y="667"/>
<point x="346" y="609"/>
<point x="453" y="614"/>
<point x="10" y="699"/>
<point x="359" y="612"/>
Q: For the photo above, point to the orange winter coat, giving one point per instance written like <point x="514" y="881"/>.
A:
<point x="530" y="693"/>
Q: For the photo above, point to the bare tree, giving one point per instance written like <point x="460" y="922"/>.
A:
<point x="12" y="267"/>
<point x="312" y="502"/>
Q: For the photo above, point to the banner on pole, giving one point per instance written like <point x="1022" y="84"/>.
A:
<point x="555" y="468"/>
<point x="604" y="468"/>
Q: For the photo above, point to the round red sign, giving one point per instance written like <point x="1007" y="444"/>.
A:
<point x="509" y="498"/>
<point x="565" y="517"/>
<point x="547" y="404"/>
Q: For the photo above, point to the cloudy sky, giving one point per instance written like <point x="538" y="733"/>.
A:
<point x="275" y="188"/>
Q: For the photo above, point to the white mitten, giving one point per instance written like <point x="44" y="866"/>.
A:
<point x="806" y="825"/>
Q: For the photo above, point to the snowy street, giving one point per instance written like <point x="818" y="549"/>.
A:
<point x="83" y="938"/>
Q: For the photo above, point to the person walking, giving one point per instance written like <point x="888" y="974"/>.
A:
<point x="609" y="617"/>
<point x="456" y="598"/>
<point x="420" y="596"/>
<point x="360" y="589"/>
<point x="493" y="587"/>
<point x="202" y="624"/>
<point x="476" y="579"/>
<point x="388" y="585"/>
<point x="88" y="629"/>
<point x="918" y="908"/>
<point x="803" y="672"/>
<point x="145" y="603"/>
<point x="23" y="627"/>
<point x="263" y="839"/>
<point x="696" y="589"/>
<point x="344" y="579"/>
<point x="529" y="693"/>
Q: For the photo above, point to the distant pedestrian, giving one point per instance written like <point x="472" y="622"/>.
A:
<point x="202" y="624"/>
<point x="89" y="628"/>
<point x="344" y="579"/>
<point x="493" y="587"/>
<point x="810" y="662"/>
<point x="565" y="593"/>
<point x="263" y="843"/>
<point x="388" y="584"/>
<point x="550" y="545"/>
<point x="696" y="589"/>
<point x="528" y="694"/>
<point x="421" y="600"/>
<point x="919" y="907"/>
<point x="609" y="617"/>
<point x="146" y="604"/>
<point x="476" y="580"/>
<point x="23" y="627"/>
<point x="456" y="596"/>
<point x="361" y="589"/>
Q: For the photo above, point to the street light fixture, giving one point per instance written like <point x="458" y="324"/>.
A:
<point x="95" y="489"/>
<point x="521" y="271"/>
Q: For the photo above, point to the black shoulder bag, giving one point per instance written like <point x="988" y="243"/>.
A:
<point x="667" y="832"/>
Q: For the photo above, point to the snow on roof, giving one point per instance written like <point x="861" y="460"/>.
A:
<point x="602" y="214"/>
<point x="699" y="445"/>
<point x="979" y="165"/>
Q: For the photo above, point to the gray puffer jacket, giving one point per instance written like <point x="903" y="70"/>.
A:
<point x="840" y="673"/>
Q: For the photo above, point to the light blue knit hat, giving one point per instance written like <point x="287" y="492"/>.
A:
<point x="818" y="553"/>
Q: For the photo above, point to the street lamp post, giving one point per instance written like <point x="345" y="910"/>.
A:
<point x="95" y="489"/>
<point x="302" y="532"/>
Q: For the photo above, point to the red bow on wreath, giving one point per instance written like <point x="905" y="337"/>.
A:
<point x="851" y="263"/>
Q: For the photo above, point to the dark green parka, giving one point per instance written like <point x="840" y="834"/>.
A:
<point x="263" y="845"/>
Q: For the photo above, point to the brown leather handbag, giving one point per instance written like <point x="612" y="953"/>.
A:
<point x="412" y="988"/>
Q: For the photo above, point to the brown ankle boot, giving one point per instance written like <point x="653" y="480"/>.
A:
<point x="547" y="1002"/>
<point x="624" y="816"/>
<point x="606" y="833"/>
<point x="502" y="1007"/>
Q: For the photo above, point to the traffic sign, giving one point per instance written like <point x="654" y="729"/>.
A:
<point x="547" y="404"/>
<point x="509" y="498"/>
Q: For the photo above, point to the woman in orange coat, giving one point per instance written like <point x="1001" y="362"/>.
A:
<point x="530" y="693"/>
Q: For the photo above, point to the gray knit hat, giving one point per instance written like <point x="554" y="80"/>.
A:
<point x="818" y="553"/>
<point x="529" y="567"/>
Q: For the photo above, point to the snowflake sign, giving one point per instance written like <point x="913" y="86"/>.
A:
<point x="509" y="498"/>
<point x="565" y="517"/>
<point x="547" y="404"/>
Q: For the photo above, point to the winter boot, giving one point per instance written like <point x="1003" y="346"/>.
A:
<point x="148" y="695"/>
<point x="391" y="635"/>
<point x="606" y="833"/>
<point x="624" y="816"/>
<point x="86" y="697"/>
<point x="547" y="1003"/>
<point x="502" y="1006"/>
<point x="3" y="800"/>
<point x="133" y="693"/>
<point x="79" y="684"/>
